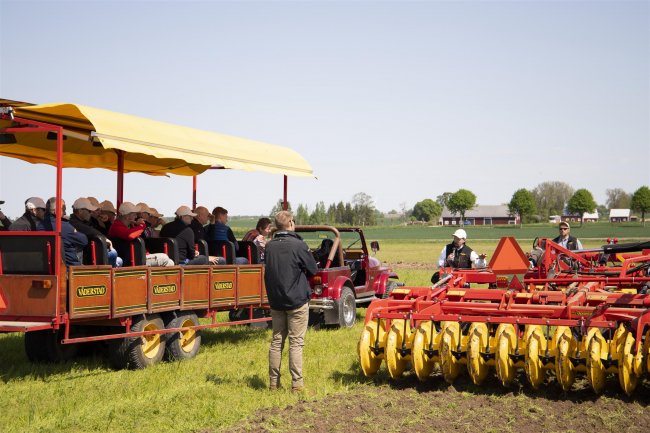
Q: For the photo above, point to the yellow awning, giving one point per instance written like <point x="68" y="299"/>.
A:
<point x="151" y="147"/>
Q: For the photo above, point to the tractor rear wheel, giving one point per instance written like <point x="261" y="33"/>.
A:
<point x="140" y="352"/>
<point x="347" y="308"/>
<point x="183" y="344"/>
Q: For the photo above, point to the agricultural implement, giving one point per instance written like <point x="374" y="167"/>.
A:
<point x="555" y="313"/>
<point x="143" y="313"/>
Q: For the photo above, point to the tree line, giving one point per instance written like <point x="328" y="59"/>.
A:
<point x="360" y="212"/>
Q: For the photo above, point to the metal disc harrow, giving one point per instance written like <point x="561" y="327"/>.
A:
<point x="569" y="314"/>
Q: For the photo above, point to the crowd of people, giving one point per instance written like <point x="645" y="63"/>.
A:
<point x="91" y="218"/>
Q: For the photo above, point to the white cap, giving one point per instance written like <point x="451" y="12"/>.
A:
<point x="184" y="210"/>
<point x="127" y="207"/>
<point x="460" y="233"/>
<point x="83" y="203"/>
<point x="35" y="203"/>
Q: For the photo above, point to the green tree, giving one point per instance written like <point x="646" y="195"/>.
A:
<point x="580" y="202"/>
<point x="460" y="202"/>
<point x="522" y="203"/>
<point x="443" y="199"/>
<point x="551" y="197"/>
<point x="319" y="214"/>
<point x="641" y="201"/>
<point x="278" y="207"/>
<point x="426" y="210"/>
<point x="302" y="214"/>
<point x="617" y="199"/>
<point x="340" y="213"/>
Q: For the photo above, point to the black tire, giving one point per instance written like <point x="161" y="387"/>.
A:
<point x="139" y="352"/>
<point x="390" y="286"/>
<point x="183" y="345"/>
<point x="347" y="308"/>
<point x="45" y="346"/>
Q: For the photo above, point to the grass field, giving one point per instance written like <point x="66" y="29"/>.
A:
<point x="225" y="385"/>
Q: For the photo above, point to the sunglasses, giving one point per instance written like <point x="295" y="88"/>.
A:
<point x="564" y="228"/>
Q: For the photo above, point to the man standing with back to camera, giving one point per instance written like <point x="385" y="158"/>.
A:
<point x="288" y="265"/>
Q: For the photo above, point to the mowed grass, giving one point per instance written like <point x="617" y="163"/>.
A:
<point x="224" y="384"/>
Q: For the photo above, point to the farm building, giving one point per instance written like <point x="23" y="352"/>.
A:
<point x="590" y="217"/>
<point x="619" y="215"/>
<point x="575" y="218"/>
<point x="480" y="215"/>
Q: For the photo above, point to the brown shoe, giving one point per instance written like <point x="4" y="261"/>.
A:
<point x="298" y="389"/>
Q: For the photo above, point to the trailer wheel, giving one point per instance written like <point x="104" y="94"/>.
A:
<point x="139" y="352"/>
<point x="45" y="346"/>
<point x="347" y="308"/>
<point x="183" y="344"/>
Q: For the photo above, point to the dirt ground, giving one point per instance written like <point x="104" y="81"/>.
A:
<point x="408" y="406"/>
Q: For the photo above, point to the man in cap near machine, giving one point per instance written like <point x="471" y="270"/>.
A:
<point x="565" y="239"/>
<point x="34" y="217"/>
<point x="458" y="255"/>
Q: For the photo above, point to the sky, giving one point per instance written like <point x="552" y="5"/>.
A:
<point x="400" y="100"/>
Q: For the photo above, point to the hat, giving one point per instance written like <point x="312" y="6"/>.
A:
<point x="460" y="233"/>
<point x="127" y="207"/>
<point x="83" y="203"/>
<point x="154" y="212"/>
<point x="2" y="202"/>
<point x="183" y="211"/>
<point x="142" y="207"/>
<point x="35" y="203"/>
<point x="564" y="223"/>
<point x="107" y="206"/>
<point x="94" y="201"/>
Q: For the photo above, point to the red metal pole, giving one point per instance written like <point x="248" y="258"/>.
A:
<point x="120" y="177"/>
<point x="285" y="204"/>
<point x="58" y="215"/>
<point x="194" y="192"/>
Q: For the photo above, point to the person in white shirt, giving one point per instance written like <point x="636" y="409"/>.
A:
<point x="460" y="256"/>
<point x="565" y="239"/>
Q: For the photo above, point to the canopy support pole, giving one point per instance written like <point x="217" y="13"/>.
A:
<point x="194" y="192"/>
<point x="285" y="204"/>
<point x="58" y="214"/>
<point x="120" y="177"/>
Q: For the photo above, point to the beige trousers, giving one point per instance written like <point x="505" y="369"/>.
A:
<point x="292" y="323"/>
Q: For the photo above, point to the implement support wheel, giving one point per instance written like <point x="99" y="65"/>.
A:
<point x="477" y="366"/>
<point x="370" y="362"/>
<point x="424" y="339"/>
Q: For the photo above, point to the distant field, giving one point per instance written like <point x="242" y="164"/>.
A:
<point x="600" y="231"/>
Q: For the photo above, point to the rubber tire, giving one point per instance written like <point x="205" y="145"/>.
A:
<point x="174" y="350"/>
<point x="128" y="352"/>
<point x="390" y="286"/>
<point x="45" y="346"/>
<point x="346" y="302"/>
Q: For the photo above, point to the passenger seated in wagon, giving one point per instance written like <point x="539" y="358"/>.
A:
<point x="180" y="230"/>
<point x="127" y="226"/>
<point x="80" y="220"/>
<point x="34" y="217"/>
<point x="73" y="241"/>
<point x="220" y="231"/>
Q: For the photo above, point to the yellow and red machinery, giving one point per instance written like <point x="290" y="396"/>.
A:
<point x="565" y="315"/>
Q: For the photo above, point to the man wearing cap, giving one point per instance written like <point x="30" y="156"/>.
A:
<point x="34" y="217"/>
<point x="4" y="220"/>
<point x="565" y="239"/>
<point x="181" y="231"/>
<point x="107" y="213"/>
<point x="128" y="226"/>
<point x="458" y="255"/>
<point x="73" y="241"/>
<point x="80" y="220"/>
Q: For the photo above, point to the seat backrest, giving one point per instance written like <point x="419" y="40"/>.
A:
<point x="96" y="251"/>
<point x="225" y="249"/>
<point x="250" y="251"/>
<point x="133" y="253"/>
<point x="27" y="255"/>
<point x="168" y="246"/>
<point x="202" y="246"/>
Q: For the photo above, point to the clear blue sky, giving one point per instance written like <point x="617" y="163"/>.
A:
<point x="400" y="100"/>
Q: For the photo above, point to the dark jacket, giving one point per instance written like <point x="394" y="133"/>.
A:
<point x="184" y="238"/>
<point x="221" y="232"/>
<point x="6" y="223"/>
<point x="462" y="256"/>
<point x="199" y="230"/>
<point x="571" y="244"/>
<point x="73" y="243"/>
<point x="26" y="223"/>
<point x="86" y="227"/>
<point x="288" y="264"/>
